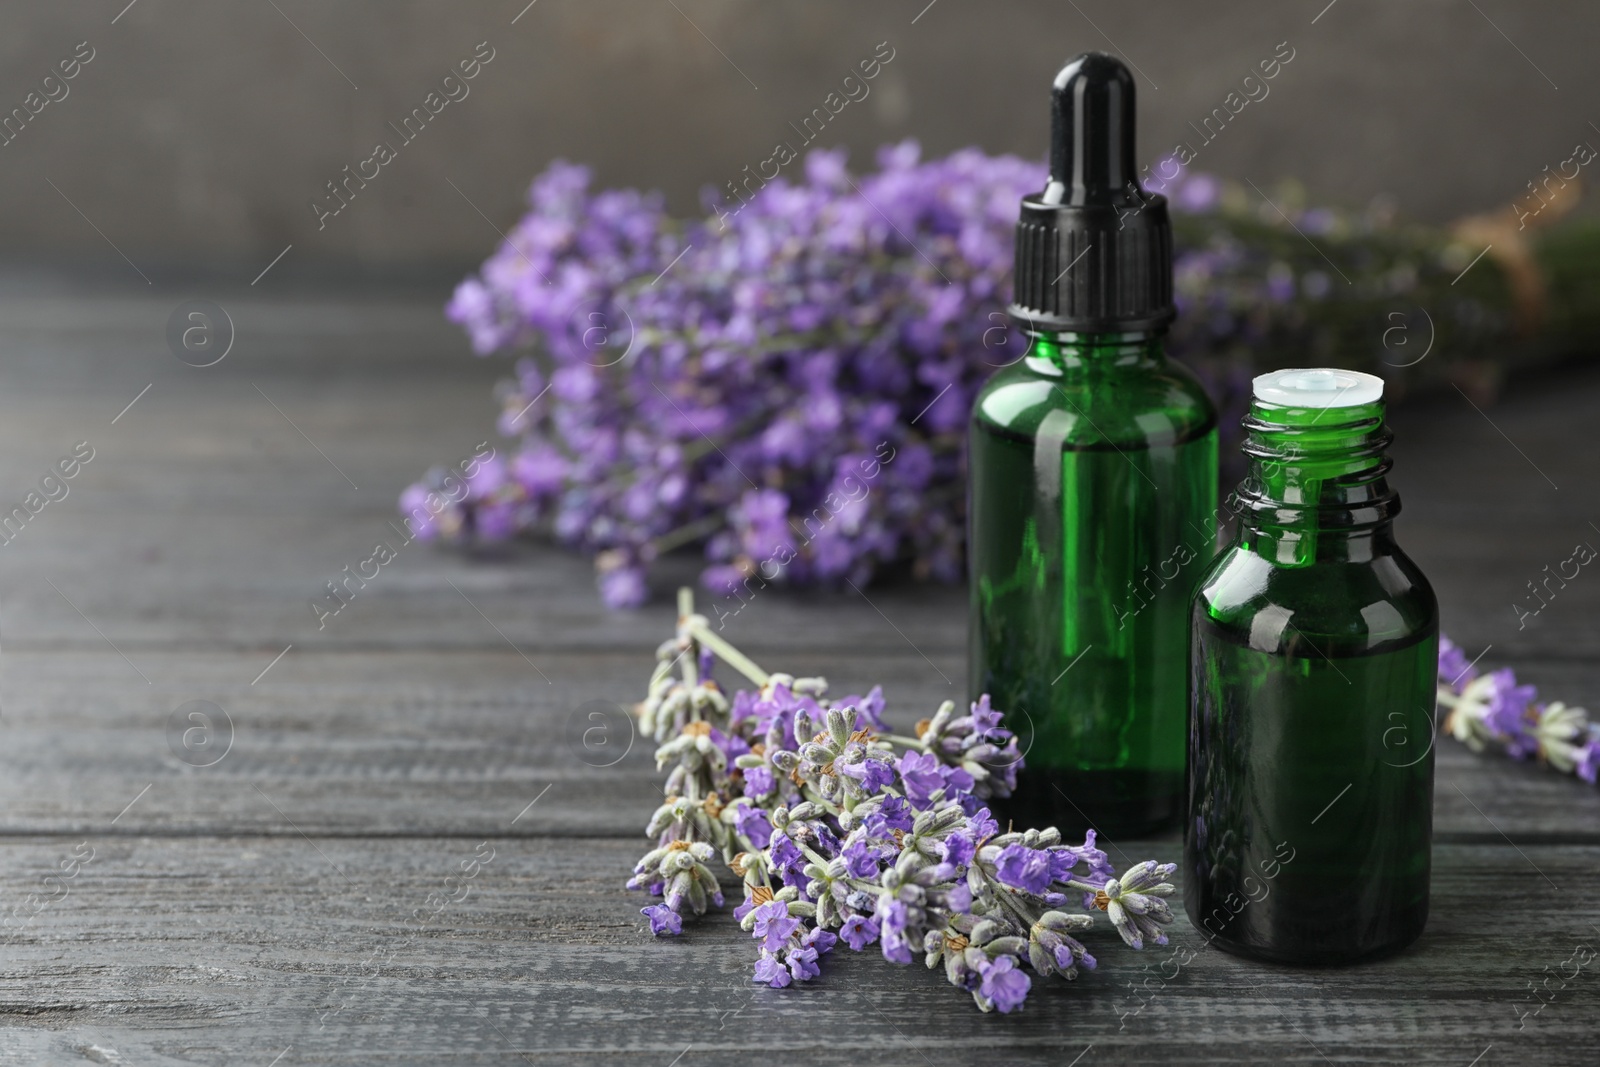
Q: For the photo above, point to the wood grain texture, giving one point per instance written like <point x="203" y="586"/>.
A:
<point x="254" y="908"/>
<point x="454" y="741"/>
<point x="228" y="950"/>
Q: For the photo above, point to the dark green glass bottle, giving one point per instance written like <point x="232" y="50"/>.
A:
<point x="1313" y="665"/>
<point x="1093" y="492"/>
<point x="1093" y="474"/>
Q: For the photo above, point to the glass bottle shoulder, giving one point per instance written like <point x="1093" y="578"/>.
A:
<point x="1366" y="601"/>
<point x="1139" y="404"/>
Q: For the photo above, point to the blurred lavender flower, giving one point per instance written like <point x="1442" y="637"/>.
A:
<point x="1493" y="710"/>
<point x="789" y="391"/>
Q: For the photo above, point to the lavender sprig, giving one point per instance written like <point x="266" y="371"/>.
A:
<point x="1491" y="710"/>
<point x="843" y="831"/>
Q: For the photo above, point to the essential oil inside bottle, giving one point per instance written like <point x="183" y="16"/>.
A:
<point x="1093" y="467"/>
<point x="1313" y="667"/>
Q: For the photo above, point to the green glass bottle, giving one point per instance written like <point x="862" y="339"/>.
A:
<point x="1313" y="664"/>
<point x="1093" y="481"/>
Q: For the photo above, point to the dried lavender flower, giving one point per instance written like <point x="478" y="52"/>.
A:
<point x="843" y="831"/>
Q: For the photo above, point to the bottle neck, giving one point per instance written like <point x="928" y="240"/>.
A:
<point x="1316" y="489"/>
<point x="1069" y="354"/>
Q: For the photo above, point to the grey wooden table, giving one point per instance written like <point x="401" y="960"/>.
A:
<point x="259" y="910"/>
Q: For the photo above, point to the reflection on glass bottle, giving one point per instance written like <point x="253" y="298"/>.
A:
<point x="1093" y="471"/>
<point x="1313" y="665"/>
<point x="1094" y="480"/>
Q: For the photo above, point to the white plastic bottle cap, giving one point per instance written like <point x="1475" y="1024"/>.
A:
<point x="1318" y="387"/>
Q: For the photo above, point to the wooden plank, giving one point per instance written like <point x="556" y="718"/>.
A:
<point x="217" y="581"/>
<point x="211" y="950"/>
<point x="456" y="741"/>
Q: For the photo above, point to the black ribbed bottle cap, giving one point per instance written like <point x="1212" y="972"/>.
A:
<point x="1094" y="250"/>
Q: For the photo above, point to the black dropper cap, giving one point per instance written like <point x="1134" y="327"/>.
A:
<point x="1094" y="250"/>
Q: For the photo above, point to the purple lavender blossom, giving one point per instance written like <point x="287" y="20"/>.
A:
<point x="787" y="858"/>
<point x="1025" y="868"/>
<point x="1454" y="667"/>
<point x="623" y="587"/>
<point x="984" y="825"/>
<point x="861" y="857"/>
<point x="753" y="824"/>
<point x="873" y="774"/>
<point x="869" y="708"/>
<point x="825" y="839"/>
<point x="802" y="963"/>
<point x="959" y="848"/>
<point x="663" y="920"/>
<point x="808" y="285"/>
<point x="733" y="746"/>
<point x="1004" y="983"/>
<point x="1508" y="713"/>
<point x="893" y="814"/>
<point x="1588" y="764"/>
<point x="1198" y="194"/>
<point x="774" y="925"/>
<point x="758" y="781"/>
<point x="1071" y="952"/>
<point x="1064" y="859"/>
<point x="859" y="931"/>
<point x="923" y="775"/>
<point x="985" y="718"/>
<point x="819" y="939"/>
<point x="777" y="711"/>
<point x="1492" y="709"/>
<point x="892" y="921"/>
<point x="770" y="969"/>
<point x="957" y="779"/>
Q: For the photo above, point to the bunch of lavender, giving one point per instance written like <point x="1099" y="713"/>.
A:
<point x="787" y="387"/>
<point x="1492" y="711"/>
<point x="844" y="831"/>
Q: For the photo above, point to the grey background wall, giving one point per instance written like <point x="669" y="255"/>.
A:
<point x="200" y="132"/>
